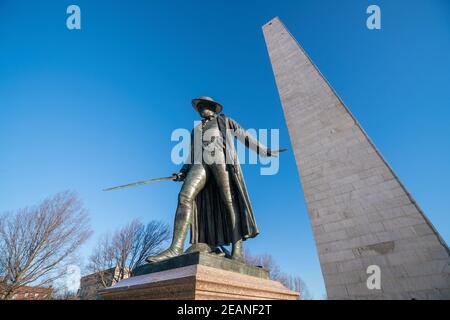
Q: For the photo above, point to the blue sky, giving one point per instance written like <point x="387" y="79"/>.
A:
<point x="88" y="109"/>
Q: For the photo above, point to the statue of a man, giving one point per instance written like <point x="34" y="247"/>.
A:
<point x="213" y="200"/>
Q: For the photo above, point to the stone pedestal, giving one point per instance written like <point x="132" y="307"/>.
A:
<point x="198" y="276"/>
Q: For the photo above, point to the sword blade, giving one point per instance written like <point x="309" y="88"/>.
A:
<point x="140" y="183"/>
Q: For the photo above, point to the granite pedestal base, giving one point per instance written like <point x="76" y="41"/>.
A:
<point x="198" y="276"/>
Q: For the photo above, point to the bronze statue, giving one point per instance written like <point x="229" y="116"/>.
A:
<point x="213" y="200"/>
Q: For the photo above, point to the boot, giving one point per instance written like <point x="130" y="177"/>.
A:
<point x="177" y="245"/>
<point x="237" y="252"/>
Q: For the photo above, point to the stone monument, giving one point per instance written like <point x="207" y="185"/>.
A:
<point x="361" y="214"/>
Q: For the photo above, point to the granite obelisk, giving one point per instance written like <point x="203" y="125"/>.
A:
<point x="361" y="214"/>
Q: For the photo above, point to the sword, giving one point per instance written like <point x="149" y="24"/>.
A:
<point x="162" y="179"/>
<point x="141" y="182"/>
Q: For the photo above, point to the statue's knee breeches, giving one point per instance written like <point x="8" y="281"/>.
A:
<point x="185" y="199"/>
<point x="193" y="184"/>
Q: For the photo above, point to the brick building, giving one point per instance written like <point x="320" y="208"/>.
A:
<point x="92" y="283"/>
<point x="33" y="293"/>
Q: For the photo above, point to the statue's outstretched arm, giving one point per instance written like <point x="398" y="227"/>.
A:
<point x="248" y="140"/>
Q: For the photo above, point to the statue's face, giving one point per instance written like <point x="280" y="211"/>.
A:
<point x="206" y="110"/>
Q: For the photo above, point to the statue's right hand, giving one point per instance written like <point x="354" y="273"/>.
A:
<point x="178" y="176"/>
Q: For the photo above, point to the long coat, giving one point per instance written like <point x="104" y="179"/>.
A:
<point x="210" y="221"/>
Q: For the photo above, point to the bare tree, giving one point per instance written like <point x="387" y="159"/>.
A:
<point x="102" y="261"/>
<point x="267" y="261"/>
<point x="63" y="293"/>
<point x="126" y="249"/>
<point x="37" y="243"/>
<point x="295" y="283"/>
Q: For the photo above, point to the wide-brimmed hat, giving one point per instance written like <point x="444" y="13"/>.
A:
<point x="208" y="100"/>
